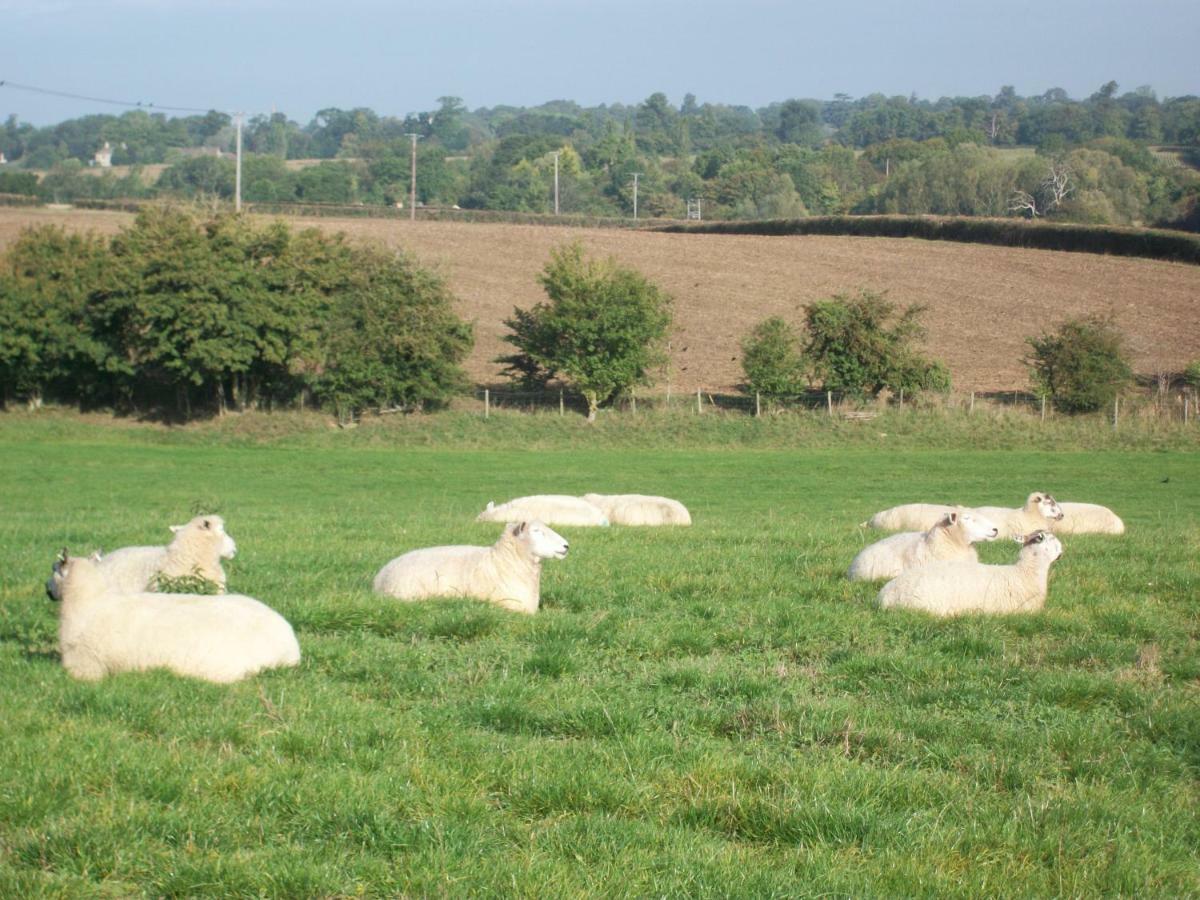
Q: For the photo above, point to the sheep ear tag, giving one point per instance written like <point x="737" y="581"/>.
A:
<point x="1019" y="538"/>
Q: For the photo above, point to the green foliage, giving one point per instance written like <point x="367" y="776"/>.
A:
<point x="862" y="345"/>
<point x="192" y="583"/>
<point x="1192" y="374"/>
<point x="602" y="331"/>
<point x="392" y="339"/>
<point x="771" y="359"/>
<point x="1082" y="366"/>
<point x="24" y="183"/>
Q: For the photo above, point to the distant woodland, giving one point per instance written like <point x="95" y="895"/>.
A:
<point x="1117" y="158"/>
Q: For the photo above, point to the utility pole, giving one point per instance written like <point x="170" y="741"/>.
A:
<point x="635" y="185"/>
<point x="237" y="178"/>
<point x="412" y="191"/>
<point x="556" y="152"/>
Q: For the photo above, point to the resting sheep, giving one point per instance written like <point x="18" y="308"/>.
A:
<point x="552" y="509"/>
<point x="508" y="573"/>
<point x="1087" y="518"/>
<point x="197" y="549"/>
<point x="1040" y="511"/>
<point x="103" y="631"/>
<point x="951" y="538"/>
<point x="640" y="509"/>
<point x="952" y="588"/>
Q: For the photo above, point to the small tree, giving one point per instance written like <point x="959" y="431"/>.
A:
<point x="602" y="331"/>
<point x="772" y="360"/>
<point x="1082" y="366"/>
<point x="863" y="345"/>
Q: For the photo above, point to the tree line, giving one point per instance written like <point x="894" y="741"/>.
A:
<point x="176" y="310"/>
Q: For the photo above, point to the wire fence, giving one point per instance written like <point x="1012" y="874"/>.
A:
<point x="1182" y="405"/>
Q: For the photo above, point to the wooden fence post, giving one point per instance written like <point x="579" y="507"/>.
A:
<point x="972" y="410"/>
<point x="487" y="403"/>
<point x="829" y="401"/>
<point x="561" y="406"/>
<point x="1043" y="407"/>
<point x="699" y="403"/>
<point x="1116" y="411"/>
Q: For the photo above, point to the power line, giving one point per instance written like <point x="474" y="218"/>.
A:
<point x="71" y="96"/>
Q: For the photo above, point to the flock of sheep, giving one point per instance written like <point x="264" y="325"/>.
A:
<point x="115" y="617"/>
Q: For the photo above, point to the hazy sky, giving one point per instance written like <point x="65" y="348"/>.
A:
<point x="299" y="56"/>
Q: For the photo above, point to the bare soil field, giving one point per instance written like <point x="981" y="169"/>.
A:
<point x="982" y="301"/>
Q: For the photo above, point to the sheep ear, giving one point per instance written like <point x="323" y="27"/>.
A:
<point x="62" y="556"/>
<point x="950" y="519"/>
<point x="175" y="529"/>
<point x="95" y="557"/>
<point x="520" y="529"/>
<point x="491" y="504"/>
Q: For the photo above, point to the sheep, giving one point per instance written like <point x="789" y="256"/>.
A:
<point x="950" y="588"/>
<point x="951" y="538"/>
<point x="551" y="509"/>
<point x="103" y="630"/>
<point x="508" y="573"/>
<point x="197" y="549"/>
<point x="640" y="509"/>
<point x="1087" y="518"/>
<point x="1040" y="511"/>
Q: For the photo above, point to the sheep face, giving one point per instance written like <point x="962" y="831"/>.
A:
<point x="1047" y="507"/>
<point x="58" y="574"/>
<point x="212" y="527"/>
<point x="1041" y="544"/>
<point x="543" y="542"/>
<point x="974" y="526"/>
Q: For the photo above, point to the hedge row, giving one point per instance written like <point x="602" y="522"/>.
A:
<point x="1152" y="244"/>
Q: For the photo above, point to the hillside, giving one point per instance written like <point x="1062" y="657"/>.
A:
<point x="983" y="302"/>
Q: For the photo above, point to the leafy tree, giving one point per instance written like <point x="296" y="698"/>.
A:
<point x="863" y="345"/>
<point x="1082" y="366"/>
<point x="391" y="338"/>
<point x="772" y="360"/>
<point x="602" y="331"/>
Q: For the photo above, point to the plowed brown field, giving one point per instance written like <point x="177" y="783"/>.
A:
<point x="983" y="302"/>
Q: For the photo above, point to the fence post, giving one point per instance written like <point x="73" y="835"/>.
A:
<point x="561" y="408"/>
<point x="757" y="405"/>
<point x="699" y="403"/>
<point x="1116" y="411"/>
<point x="633" y="401"/>
<point x="829" y="401"/>
<point x="972" y="409"/>
<point x="1187" y="401"/>
<point x="1043" y="407"/>
<point x="902" y="398"/>
<point x="487" y="402"/>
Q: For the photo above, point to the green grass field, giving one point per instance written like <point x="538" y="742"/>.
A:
<point x="710" y="711"/>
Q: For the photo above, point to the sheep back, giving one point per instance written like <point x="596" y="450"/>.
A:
<point x="640" y="509"/>
<point x="553" y="509"/>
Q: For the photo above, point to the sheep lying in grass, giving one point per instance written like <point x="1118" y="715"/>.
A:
<point x="196" y="551"/>
<point x="956" y="587"/>
<point x="552" y="509"/>
<point x="103" y="631"/>
<point x="1040" y="511"/>
<point x="1087" y="518"/>
<point x="951" y="538"/>
<point x="508" y="573"/>
<point x="640" y="509"/>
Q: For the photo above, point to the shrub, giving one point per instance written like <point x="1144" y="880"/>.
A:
<point x="863" y="345"/>
<point x="772" y="360"/>
<point x="602" y="332"/>
<point x="1191" y="374"/>
<point x="1081" y="367"/>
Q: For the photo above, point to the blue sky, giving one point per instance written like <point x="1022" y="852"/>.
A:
<point x="399" y="57"/>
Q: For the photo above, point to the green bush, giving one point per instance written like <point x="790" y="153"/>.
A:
<point x="863" y="345"/>
<point x="602" y="332"/>
<point x="1192" y="374"/>
<point x="1081" y="367"/>
<point x="772" y="360"/>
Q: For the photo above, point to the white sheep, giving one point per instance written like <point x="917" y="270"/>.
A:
<point x="956" y="587"/>
<point x="508" y="573"/>
<point x="640" y="509"/>
<point x="552" y="509"/>
<point x="1040" y="511"/>
<point x="197" y="549"/>
<point x="1087" y="518"/>
<point x="103" y="631"/>
<point x="951" y="538"/>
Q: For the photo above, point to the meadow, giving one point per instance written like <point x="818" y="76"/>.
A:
<point x="708" y="711"/>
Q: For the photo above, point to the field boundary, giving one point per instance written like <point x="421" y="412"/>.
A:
<point x="1146" y="243"/>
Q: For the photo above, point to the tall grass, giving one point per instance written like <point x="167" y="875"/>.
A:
<point x="710" y="711"/>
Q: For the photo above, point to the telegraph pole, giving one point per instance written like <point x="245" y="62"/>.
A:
<point x="556" y="152"/>
<point x="635" y="185"/>
<point x="237" y="179"/>
<point x="412" y="192"/>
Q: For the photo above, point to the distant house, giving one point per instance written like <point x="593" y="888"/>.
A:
<point x="103" y="156"/>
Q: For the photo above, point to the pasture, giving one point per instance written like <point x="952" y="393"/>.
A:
<point x="705" y="711"/>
